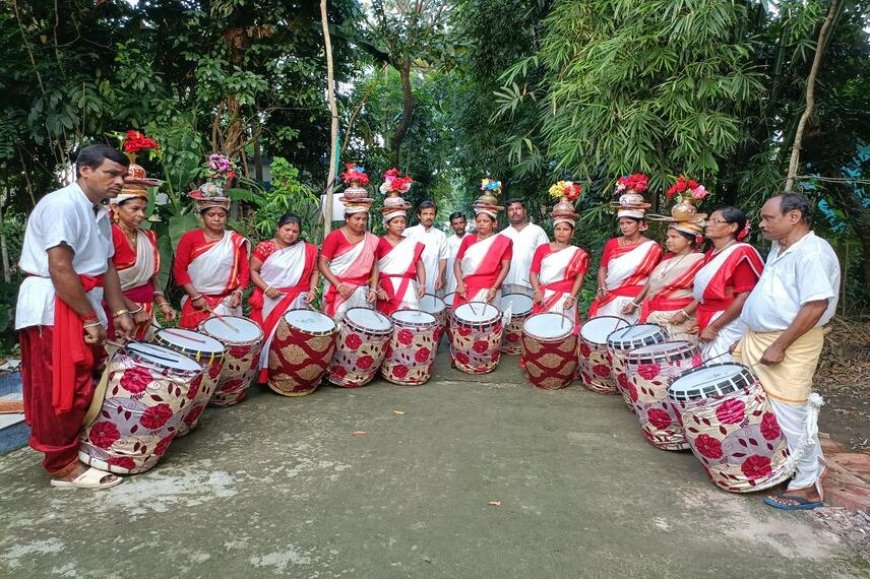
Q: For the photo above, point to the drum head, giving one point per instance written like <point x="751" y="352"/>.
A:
<point x="413" y="318"/>
<point x="520" y="304"/>
<point x="432" y="304"/>
<point x="548" y="325"/>
<point x="662" y="349"/>
<point x="163" y="357"/>
<point x="232" y="329"/>
<point x="597" y="329"/>
<point x="448" y="299"/>
<point x="692" y="384"/>
<point x="189" y="340"/>
<point x="368" y="319"/>
<point x="477" y="312"/>
<point x="635" y="332"/>
<point x="310" y="321"/>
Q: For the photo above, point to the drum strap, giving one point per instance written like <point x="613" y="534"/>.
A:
<point x="99" y="395"/>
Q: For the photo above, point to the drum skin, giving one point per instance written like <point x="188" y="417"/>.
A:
<point x="550" y="362"/>
<point x="359" y="352"/>
<point x="299" y="359"/>
<point x="240" y="366"/>
<point x="593" y="358"/>
<point x="411" y="350"/>
<point x="475" y="346"/>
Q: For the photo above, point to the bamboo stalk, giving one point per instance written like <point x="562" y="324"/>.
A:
<point x="333" y="108"/>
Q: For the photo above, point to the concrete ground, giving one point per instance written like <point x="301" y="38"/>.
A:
<point x="284" y="486"/>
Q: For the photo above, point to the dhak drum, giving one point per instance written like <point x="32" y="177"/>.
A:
<point x="549" y="348"/>
<point x="412" y="348"/>
<point x="593" y="360"/>
<point x="731" y="427"/>
<point x="301" y="351"/>
<point x="243" y="340"/>
<point x="448" y="300"/>
<point x="205" y="350"/>
<point x="475" y="337"/>
<point x="650" y="370"/>
<point x="146" y="397"/>
<point x="362" y="343"/>
<point x="622" y="341"/>
<point x="520" y="307"/>
<point x="432" y="304"/>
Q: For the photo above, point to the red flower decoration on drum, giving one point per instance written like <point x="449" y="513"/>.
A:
<point x="156" y="416"/>
<point x="658" y="418"/>
<point x="422" y="355"/>
<point x="495" y="356"/>
<point x="623" y="381"/>
<point x="480" y="346"/>
<point x="463" y="331"/>
<point x="400" y="371"/>
<point x="632" y="391"/>
<point x="194" y="387"/>
<point x="708" y="447"/>
<point x="769" y="426"/>
<point x="461" y="358"/>
<point x="585" y="350"/>
<point x="122" y="462"/>
<point x="696" y="360"/>
<point x="353" y="341"/>
<point x="601" y="370"/>
<point x="756" y="467"/>
<point x="104" y="434"/>
<point x="513" y="338"/>
<point x="731" y="411"/>
<point x="405" y="337"/>
<point x="365" y="362"/>
<point x="338" y="371"/>
<point x="192" y="416"/>
<point x="214" y="371"/>
<point x="136" y="380"/>
<point x="648" y="371"/>
<point x="238" y="352"/>
<point x="161" y="447"/>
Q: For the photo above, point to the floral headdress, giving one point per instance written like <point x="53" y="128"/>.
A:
<point x="394" y="186"/>
<point x="567" y="192"/>
<point x="355" y="197"/>
<point x="684" y="216"/>
<point x="688" y="190"/>
<point x="354" y="175"/>
<point x="631" y="202"/>
<point x="566" y="189"/>
<point x="136" y="183"/>
<point x="488" y="201"/>
<point x="212" y="193"/>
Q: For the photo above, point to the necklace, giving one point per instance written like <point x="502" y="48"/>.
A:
<point x="676" y="261"/>
<point x="131" y="236"/>
<point x="724" y="247"/>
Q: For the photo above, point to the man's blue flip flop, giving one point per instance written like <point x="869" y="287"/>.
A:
<point x="776" y="501"/>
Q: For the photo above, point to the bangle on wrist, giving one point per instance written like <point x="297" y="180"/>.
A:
<point x="91" y="317"/>
<point x="635" y="304"/>
<point x="120" y="313"/>
<point x="92" y="325"/>
<point x="158" y="293"/>
<point x="682" y="311"/>
<point x="193" y="299"/>
<point x="136" y="311"/>
<point x="268" y="287"/>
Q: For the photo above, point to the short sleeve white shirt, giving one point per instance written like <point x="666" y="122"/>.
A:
<point x="453" y="243"/>
<point x="526" y="241"/>
<point x="63" y="216"/>
<point x="435" y="243"/>
<point x="805" y="272"/>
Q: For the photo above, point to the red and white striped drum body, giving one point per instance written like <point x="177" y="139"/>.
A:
<point x="363" y="335"/>
<point x="650" y="371"/>
<point x="475" y="337"/>
<point x="205" y="350"/>
<point x="731" y="427"/>
<point x="549" y="348"/>
<point x="621" y="342"/>
<point x="149" y="389"/>
<point x="432" y="304"/>
<point x="520" y="308"/>
<point x="412" y="348"/>
<point x="243" y="340"/>
<point x="301" y="352"/>
<point x="593" y="360"/>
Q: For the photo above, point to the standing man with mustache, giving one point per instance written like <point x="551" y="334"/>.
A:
<point x="66" y="255"/>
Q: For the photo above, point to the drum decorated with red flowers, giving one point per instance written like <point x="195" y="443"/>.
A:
<point x="475" y="337"/>
<point x="623" y="341"/>
<point x="363" y="335"/>
<point x="243" y="340"/>
<point x="549" y="350"/>
<point x="517" y="308"/>
<point x="301" y="351"/>
<point x="731" y="427"/>
<point x="411" y="349"/>
<point x="432" y="304"/>
<point x="148" y="390"/>
<point x="593" y="359"/>
<point x="205" y="350"/>
<point x="650" y="371"/>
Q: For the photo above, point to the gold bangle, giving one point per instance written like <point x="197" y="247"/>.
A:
<point x="120" y="313"/>
<point x="134" y="312"/>
<point x="92" y="325"/>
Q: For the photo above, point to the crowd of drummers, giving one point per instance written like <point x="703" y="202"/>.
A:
<point x="711" y="346"/>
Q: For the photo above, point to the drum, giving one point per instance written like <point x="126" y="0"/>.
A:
<point x="362" y="343"/>
<point x="593" y="360"/>
<point x="434" y="305"/>
<point x="243" y="340"/>
<point x="412" y="348"/>
<point x="149" y="388"/>
<point x="650" y="371"/>
<point x="622" y="341"/>
<point x="549" y="348"/>
<point x="210" y="354"/>
<point x="448" y="301"/>
<point x="301" y="351"/>
<point x="520" y="308"/>
<point x="730" y="426"/>
<point x="475" y="337"/>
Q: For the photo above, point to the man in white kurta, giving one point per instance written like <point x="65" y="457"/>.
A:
<point x="435" y="243"/>
<point x="785" y="313"/>
<point x="527" y="237"/>
<point x="457" y="224"/>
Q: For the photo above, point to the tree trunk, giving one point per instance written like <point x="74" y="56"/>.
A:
<point x="821" y="44"/>
<point x="7" y="272"/>
<point x="333" y="132"/>
<point x="408" y="105"/>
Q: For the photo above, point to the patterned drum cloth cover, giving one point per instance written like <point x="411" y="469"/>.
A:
<point x="205" y="350"/>
<point x="621" y="342"/>
<point x="362" y="343"/>
<point x="475" y="337"/>
<point x="149" y="388"/>
<point x="549" y="348"/>
<point x="412" y="348"/>
<point x="731" y="427"/>
<point x="650" y="371"/>
<point x="432" y="304"/>
<point x="520" y="308"/>
<point x="301" y="351"/>
<point x="448" y="301"/>
<point x="243" y="340"/>
<point x="593" y="360"/>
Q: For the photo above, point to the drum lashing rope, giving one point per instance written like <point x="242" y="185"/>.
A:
<point x="811" y="431"/>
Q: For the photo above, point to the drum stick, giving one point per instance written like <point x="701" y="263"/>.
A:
<point x="221" y="318"/>
<point x="120" y="346"/>
<point x="178" y="334"/>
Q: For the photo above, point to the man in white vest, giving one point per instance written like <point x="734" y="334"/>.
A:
<point x="527" y="237"/>
<point x="435" y="242"/>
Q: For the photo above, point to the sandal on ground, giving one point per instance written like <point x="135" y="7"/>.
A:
<point x="788" y="502"/>
<point x="93" y="478"/>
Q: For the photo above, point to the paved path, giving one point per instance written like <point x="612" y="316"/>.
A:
<point x="281" y="486"/>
